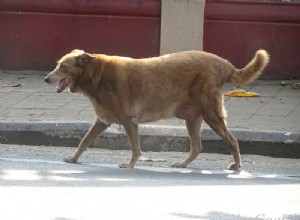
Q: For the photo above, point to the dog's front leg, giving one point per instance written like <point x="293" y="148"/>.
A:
<point x="131" y="129"/>
<point x="97" y="128"/>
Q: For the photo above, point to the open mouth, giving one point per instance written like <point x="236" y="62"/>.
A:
<point x="62" y="85"/>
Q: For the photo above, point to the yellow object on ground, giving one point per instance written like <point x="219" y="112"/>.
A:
<point x="240" y="93"/>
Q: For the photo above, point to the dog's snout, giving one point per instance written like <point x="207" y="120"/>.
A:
<point x="46" y="79"/>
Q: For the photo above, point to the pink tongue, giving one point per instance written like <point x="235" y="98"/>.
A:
<point x="62" y="85"/>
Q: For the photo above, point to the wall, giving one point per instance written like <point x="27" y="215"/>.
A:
<point x="34" y="33"/>
<point x="235" y="29"/>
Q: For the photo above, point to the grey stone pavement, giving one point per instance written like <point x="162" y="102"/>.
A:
<point x="277" y="109"/>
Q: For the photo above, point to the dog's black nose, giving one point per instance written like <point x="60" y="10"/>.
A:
<point x="46" y="79"/>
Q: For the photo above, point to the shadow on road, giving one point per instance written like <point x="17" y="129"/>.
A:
<point x="58" y="174"/>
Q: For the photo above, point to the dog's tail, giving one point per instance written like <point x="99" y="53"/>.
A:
<point x="252" y="70"/>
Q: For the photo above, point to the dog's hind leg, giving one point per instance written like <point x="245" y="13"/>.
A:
<point x="194" y="128"/>
<point x="97" y="128"/>
<point x="131" y="129"/>
<point x="214" y="117"/>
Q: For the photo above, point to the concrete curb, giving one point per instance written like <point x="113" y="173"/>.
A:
<point x="153" y="138"/>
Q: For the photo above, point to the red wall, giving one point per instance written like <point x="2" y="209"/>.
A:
<point x="35" y="33"/>
<point x="235" y="29"/>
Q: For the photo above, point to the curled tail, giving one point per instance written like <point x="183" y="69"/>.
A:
<point x="252" y="70"/>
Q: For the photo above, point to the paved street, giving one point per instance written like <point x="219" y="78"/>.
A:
<point x="36" y="184"/>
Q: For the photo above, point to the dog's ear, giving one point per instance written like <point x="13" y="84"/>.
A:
<point x="84" y="58"/>
<point x="77" y="51"/>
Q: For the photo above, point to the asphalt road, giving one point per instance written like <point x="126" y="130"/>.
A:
<point x="36" y="184"/>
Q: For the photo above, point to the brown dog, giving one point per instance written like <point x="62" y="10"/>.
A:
<point x="127" y="91"/>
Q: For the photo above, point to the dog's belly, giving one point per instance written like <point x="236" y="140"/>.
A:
<point x="143" y="113"/>
<point x="153" y="116"/>
<point x="186" y="111"/>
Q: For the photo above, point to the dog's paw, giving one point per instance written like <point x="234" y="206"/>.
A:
<point x="234" y="167"/>
<point x="70" y="159"/>
<point x="178" y="165"/>
<point x="126" y="165"/>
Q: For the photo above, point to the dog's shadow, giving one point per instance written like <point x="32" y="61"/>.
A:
<point x="112" y="175"/>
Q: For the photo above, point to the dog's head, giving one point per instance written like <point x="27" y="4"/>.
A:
<point x="68" y="69"/>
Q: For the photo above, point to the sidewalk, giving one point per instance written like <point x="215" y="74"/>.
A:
<point x="275" y="111"/>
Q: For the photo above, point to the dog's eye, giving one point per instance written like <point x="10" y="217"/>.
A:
<point x="63" y="66"/>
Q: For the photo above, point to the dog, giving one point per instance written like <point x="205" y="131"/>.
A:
<point x="126" y="91"/>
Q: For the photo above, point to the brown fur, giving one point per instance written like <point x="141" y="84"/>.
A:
<point x="127" y="91"/>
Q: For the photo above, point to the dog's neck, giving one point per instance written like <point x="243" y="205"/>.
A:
<point x="89" y="81"/>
